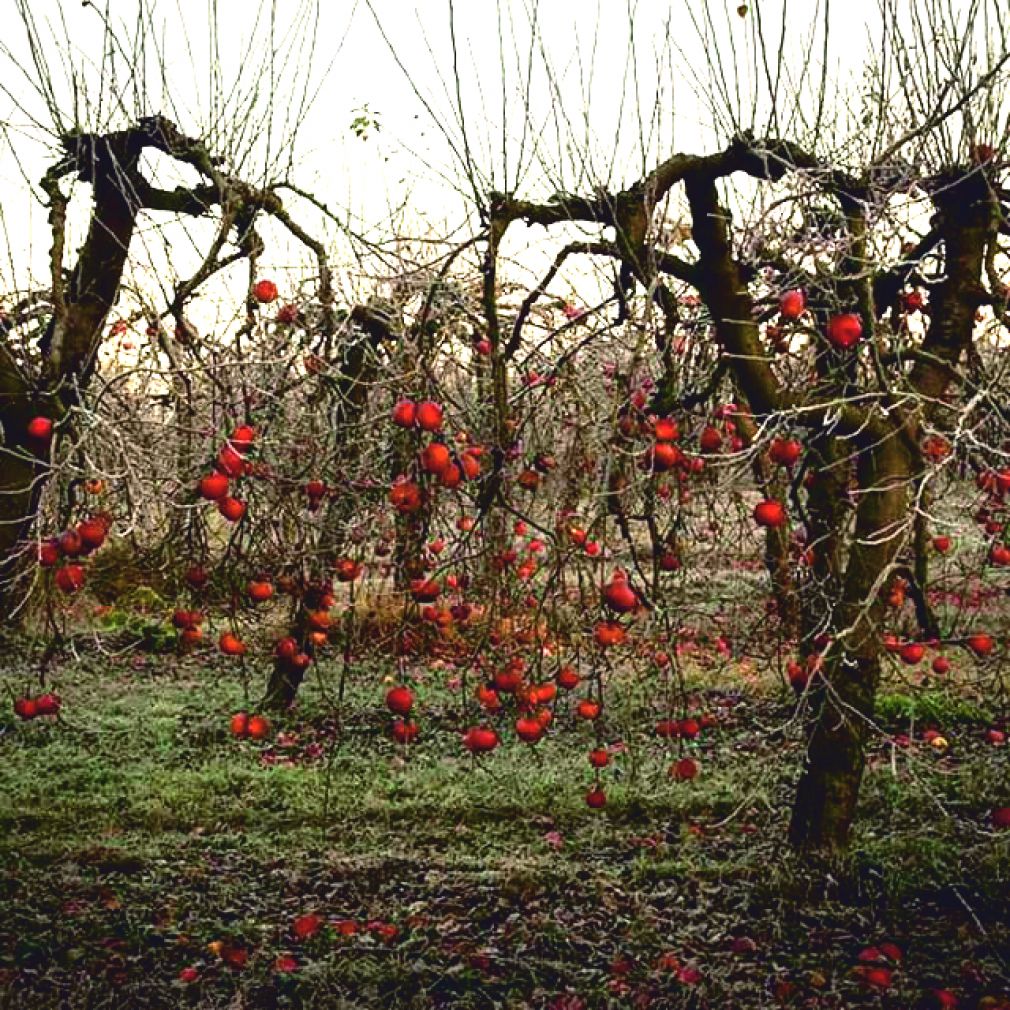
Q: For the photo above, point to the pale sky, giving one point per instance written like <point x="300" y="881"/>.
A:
<point x="577" y="108"/>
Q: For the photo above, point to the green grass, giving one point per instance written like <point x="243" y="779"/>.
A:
<point x="137" y="831"/>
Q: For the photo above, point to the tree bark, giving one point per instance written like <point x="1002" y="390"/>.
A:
<point x="825" y="804"/>
<point x="843" y="696"/>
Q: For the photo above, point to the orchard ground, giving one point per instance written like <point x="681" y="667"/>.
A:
<point x="140" y="839"/>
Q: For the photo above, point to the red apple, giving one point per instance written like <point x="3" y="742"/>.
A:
<point x="40" y="429"/>
<point x="49" y="553"/>
<point x="213" y="487"/>
<point x="242" y="438"/>
<point x="980" y="643"/>
<point x="399" y="700"/>
<point x="710" y="440"/>
<point x="405" y="414"/>
<point x="70" y="578"/>
<point x="258" y="727"/>
<point x="528" y="729"/>
<point x="770" y="513"/>
<point x="435" y="457"/>
<point x="665" y="429"/>
<point x="231" y="508"/>
<point x="684" y="770"/>
<point x="619" y="596"/>
<point x="845" y="330"/>
<point x="429" y="415"/>
<point x="70" y="543"/>
<point x="792" y="305"/>
<point x="231" y="645"/>
<point x="405" y="731"/>
<point x="785" y="451"/>
<point x="92" y="533"/>
<point x="480" y="739"/>
<point x="260" y="590"/>
<point x="912" y="653"/>
<point x="25" y="708"/>
<point x="265" y="292"/>
<point x="568" y="678"/>
<point x="48" y="703"/>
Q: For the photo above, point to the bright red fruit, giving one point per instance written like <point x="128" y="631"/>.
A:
<point x="231" y="645"/>
<point x="596" y="798"/>
<point x="25" y="708"/>
<point x="619" y="596"/>
<point x="230" y="462"/>
<point x="405" y="414"/>
<point x="451" y="477"/>
<point x="876" y="978"/>
<point x="40" y="428"/>
<point x="49" y="553"/>
<point x="92" y="533"/>
<point x="258" y="728"/>
<point x="306" y="926"/>
<point x="665" y="429"/>
<point x="286" y="649"/>
<point x="844" y="331"/>
<point x="710" y="440"/>
<point x="213" y="487"/>
<point x="528" y="729"/>
<point x="424" y="590"/>
<point x="608" y="633"/>
<point x="231" y="508"/>
<point x="429" y="415"/>
<point x="941" y="544"/>
<point x="405" y="730"/>
<point x="792" y="305"/>
<point x="770" y="513"/>
<point x="999" y="555"/>
<point x="785" y="451"/>
<point x="588" y="709"/>
<point x="70" y="578"/>
<point x="435" y="458"/>
<point x="347" y="569"/>
<point x="980" y="643"/>
<point x="568" y="678"/>
<point x="260" y="590"/>
<point x="265" y="292"/>
<point x="599" y="757"/>
<point x="480" y="739"/>
<point x="663" y="456"/>
<point x="399" y="700"/>
<point x="48" y="703"/>
<point x="405" y="496"/>
<point x="912" y="653"/>
<point x="469" y="463"/>
<point x="242" y="438"/>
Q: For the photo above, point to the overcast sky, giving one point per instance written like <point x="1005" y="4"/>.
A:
<point x="577" y="106"/>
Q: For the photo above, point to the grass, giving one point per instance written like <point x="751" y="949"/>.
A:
<point x="136" y="832"/>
